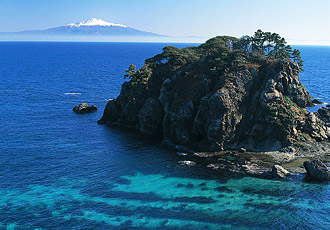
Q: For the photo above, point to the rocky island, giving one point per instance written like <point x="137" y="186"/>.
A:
<point x="227" y="94"/>
<point x="84" y="108"/>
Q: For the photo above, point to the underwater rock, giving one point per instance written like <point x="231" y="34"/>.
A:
<point x="279" y="172"/>
<point x="317" y="169"/>
<point x="252" y="168"/>
<point x="84" y="108"/>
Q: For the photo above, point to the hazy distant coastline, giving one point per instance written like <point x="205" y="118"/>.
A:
<point x="95" y="30"/>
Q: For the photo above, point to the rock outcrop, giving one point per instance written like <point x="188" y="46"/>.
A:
<point x="279" y="172"/>
<point x="84" y="108"/>
<point x="188" y="99"/>
<point x="316" y="169"/>
<point x="324" y="114"/>
<point x="317" y="102"/>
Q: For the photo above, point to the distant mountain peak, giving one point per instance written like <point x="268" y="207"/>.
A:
<point x="94" y="28"/>
<point x="94" y="22"/>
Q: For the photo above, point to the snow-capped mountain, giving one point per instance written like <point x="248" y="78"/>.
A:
<point x="92" y="27"/>
<point x="95" y="22"/>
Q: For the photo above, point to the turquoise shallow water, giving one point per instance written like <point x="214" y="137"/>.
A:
<point x="163" y="202"/>
<point x="60" y="170"/>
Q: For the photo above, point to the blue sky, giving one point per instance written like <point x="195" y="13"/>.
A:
<point x="303" y="22"/>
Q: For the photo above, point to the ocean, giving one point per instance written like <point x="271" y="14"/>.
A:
<point x="61" y="170"/>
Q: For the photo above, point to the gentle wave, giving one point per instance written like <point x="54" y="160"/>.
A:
<point x="74" y="93"/>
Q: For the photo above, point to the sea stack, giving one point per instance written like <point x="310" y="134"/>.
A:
<point x="216" y="97"/>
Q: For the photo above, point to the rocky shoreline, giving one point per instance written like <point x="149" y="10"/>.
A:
<point x="260" y="164"/>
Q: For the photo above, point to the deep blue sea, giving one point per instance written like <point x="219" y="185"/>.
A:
<point x="61" y="170"/>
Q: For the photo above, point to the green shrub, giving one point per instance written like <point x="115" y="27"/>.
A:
<point x="137" y="76"/>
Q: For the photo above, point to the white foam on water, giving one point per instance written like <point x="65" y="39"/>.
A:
<point x="74" y="93"/>
<point x="182" y="153"/>
<point x="188" y="163"/>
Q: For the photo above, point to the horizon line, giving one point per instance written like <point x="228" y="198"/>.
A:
<point x="91" y="41"/>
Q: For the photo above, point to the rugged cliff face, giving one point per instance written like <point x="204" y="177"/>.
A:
<point x="213" y="98"/>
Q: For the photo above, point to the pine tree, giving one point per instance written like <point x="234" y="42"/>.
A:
<point x="295" y="55"/>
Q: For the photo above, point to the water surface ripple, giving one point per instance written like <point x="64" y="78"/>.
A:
<point x="60" y="170"/>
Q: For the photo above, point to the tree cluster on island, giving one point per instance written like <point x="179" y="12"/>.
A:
<point x="271" y="45"/>
<point x="220" y="54"/>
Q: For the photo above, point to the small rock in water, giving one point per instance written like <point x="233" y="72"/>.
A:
<point x="182" y="154"/>
<point x="189" y="163"/>
<point x="84" y="108"/>
<point x="216" y="166"/>
<point x="317" y="169"/>
<point x="317" y="102"/>
<point x="242" y="150"/>
<point x="279" y="171"/>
